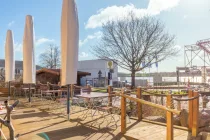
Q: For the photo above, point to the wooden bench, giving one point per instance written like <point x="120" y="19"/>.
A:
<point x="4" y="92"/>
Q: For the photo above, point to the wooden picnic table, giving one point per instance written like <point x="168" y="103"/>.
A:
<point x="27" y="89"/>
<point x="52" y="93"/>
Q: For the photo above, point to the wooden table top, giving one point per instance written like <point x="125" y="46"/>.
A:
<point x="28" y="88"/>
<point x="52" y="91"/>
<point x="93" y="95"/>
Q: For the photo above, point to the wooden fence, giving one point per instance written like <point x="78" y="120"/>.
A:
<point x="192" y="117"/>
<point x="4" y="92"/>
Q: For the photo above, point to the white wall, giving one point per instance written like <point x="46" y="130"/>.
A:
<point x="93" y="67"/>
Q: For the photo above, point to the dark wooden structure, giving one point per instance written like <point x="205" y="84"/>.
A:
<point x="53" y="76"/>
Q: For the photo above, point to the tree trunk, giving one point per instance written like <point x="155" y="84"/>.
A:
<point x="133" y="79"/>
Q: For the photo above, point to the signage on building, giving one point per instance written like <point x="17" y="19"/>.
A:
<point x="110" y="64"/>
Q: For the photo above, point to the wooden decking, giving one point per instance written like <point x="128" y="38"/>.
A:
<point x="33" y="124"/>
<point x="149" y="131"/>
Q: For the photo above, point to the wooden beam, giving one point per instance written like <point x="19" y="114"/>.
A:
<point x="169" y="120"/>
<point x="150" y="103"/>
<point x="190" y="104"/>
<point x="195" y="115"/>
<point x="72" y="90"/>
<point x="139" y="105"/>
<point x="123" y="113"/>
<point x="110" y="95"/>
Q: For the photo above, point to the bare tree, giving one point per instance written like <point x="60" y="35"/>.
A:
<point x="2" y="74"/>
<point x="134" y="41"/>
<point x="51" y="57"/>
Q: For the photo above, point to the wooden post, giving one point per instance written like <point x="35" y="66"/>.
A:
<point x="195" y="115"/>
<point x="110" y="95"/>
<point x="169" y="119"/>
<point x="179" y="104"/>
<point x="123" y="113"/>
<point x="89" y="89"/>
<point x="161" y="98"/>
<point x="190" y="115"/>
<point x="72" y="90"/>
<point x="139" y="105"/>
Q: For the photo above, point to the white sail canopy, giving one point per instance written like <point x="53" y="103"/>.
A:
<point x="9" y="58"/>
<point x="69" y="42"/>
<point x="29" y="67"/>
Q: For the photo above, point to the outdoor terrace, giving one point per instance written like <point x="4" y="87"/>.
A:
<point x="35" y="124"/>
<point x="45" y="116"/>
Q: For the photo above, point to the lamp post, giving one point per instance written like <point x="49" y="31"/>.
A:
<point x="110" y="78"/>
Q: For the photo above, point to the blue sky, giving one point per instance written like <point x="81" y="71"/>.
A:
<point x="189" y="20"/>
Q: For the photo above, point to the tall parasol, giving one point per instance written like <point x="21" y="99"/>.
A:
<point x="29" y="67"/>
<point x="69" y="46"/>
<point x="9" y="59"/>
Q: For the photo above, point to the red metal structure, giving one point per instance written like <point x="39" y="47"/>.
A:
<point x="205" y="45"/>
<point x="201" y="51"/>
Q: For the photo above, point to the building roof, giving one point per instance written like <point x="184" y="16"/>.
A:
<point x="18" y="64"/>
<point x="57" y="72"/>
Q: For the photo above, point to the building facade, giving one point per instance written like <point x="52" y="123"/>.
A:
<point x="93" y="67"/>
<point x="53" y="76"/>
<point x="18" y="68"/>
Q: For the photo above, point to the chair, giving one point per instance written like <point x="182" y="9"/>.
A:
<point x="17" y="90"/>
<point x="24" y="91"/>
<point x="45" y="97"/>
<point x="37" y="92"/>
<point x="53" y="86"/>
<point x="110" y="111"/>
<point x="75" y="103"/>
<point x="107" y="111"/>
<point x="85" y="90"/>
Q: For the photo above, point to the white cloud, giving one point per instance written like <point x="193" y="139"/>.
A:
<point x="19" y="47"/>
<point x="119" y="12"/>
<point x="96" y="35"/>
<point x="43" y="40"/>
<point x="156" y="6"/>
<point x="83" y="55"/>
<point x="11" y="23"/>
<point x="178" y="47"/>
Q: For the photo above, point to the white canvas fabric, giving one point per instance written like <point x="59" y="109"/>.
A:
<point x="69" y="42"/>
<point x="29" y="67"/>
<point x="9" y="58"/>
